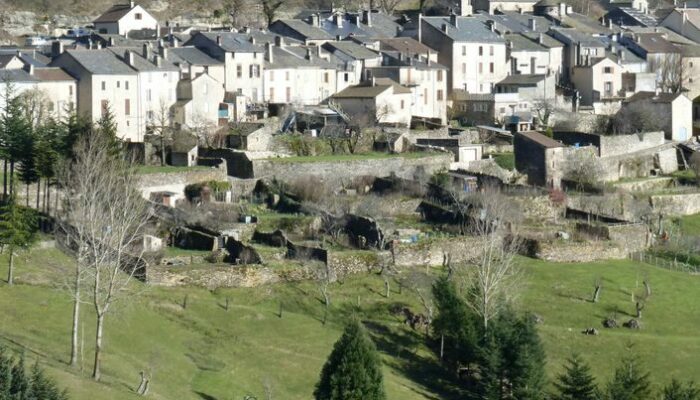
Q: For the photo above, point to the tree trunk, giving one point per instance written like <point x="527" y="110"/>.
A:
<point x="12" y="176"/>
<point x="27" y="194"/>
<point x="96" y="372"/>
<point x="4" y="178"/>
<point x="596" y="294"/>
<point x="11" y="269"/>
<point x="38" y="194"/>
<point x="442" y="345"/>
<point x="647" y="289"/>
<point x="162" y="149"/>
<point x="48" y="198"/>
<point x="76" y="320"/>
<point x="386" y="289"/>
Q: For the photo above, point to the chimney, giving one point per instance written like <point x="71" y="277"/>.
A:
<point x="279" y="42"/>
<point x="540" y="38"/>
<point x="492" y="25"/>
<point x="610" y="24"/>
<point x="356" y="19"/>
<point x="268" y="48"/>
<point x="56" y="48"/>
<point x="218" y="40"/>
<point x="367" y="17"/>
<point x="157" y="31"/>
<point x="132" y="4"/>
<point x="163" y="51"/>
<point x="315" y="20"/>
<point x="157" y="61"/>
<point x="445" y="28"/>
<point x="338" y="38"/>
<point x="400" y="56"/>
<point x="110" y="41"/>
<point x="453" y="20"/>
<point x="338" y="19"/>
<point x="146" y="53"/>
<point x="562" y="9"/>
<point x="129" y="57"/>
<point x="374" y="81"/>
<point x="308" y="54"/>
<point x="174" y="42"/>
<point x="29" y="68"/>
<point x="532" y="24"/>
<point x="685" y="17"/>
<point x="252" y="40"/>
<point x="622" y="55"/>
<point x="98" y="44"/>
<point x="657" y="92"/>
<point x="420" y="28"/>
<point x="89" y="44"/>
<point x="521" y="10"/>
<point x="319" y="52"/>
<point x="569" y="10"/>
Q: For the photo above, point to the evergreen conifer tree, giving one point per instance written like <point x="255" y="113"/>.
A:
<point x="6" y="363"/>
<point x="17" y="230"/>
<point x="676" y="390"/>
<point x="630" y="382"/>
<point x="20" y="381"/>
<point x="576" y="383"/>
<point x="353" y="370"/>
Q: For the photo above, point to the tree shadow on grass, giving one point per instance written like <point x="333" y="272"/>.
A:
<point x="403" y="345"/>
<point x="205" y="396"/>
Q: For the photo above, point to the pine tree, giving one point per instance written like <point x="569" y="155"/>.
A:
<point x="353" y="370"/>
<point x="454" y="325"/>
<point x="47" y="156"/>
<point x="15" y="128"/>
<point x="629" y="382"/>
<point x="43" y="388"/>
<point x="72" y="129"/>
<point x="27" y="168"/>
<point x="20" y="381"/>
<point x="6" y="363"/>
<point x="676" y="390"/>
<point x="17" y="230"/>
<point x="107" y="128"/>
<point x="576" y="383"/>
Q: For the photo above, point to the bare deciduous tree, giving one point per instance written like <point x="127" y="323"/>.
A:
<point x="160" y="125"/>
<point x="105" y="217"/>
<point x="583" y="167"/>
<point x="695" y="165"/>
<point x="673" y="73"/>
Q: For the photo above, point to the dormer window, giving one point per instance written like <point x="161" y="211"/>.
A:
<point x="138" y="16"/>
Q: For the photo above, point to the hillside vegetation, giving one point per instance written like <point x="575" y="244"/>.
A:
<point x="205" y="352"/>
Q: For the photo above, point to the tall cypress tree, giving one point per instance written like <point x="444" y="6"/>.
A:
<point x="17" y="230"/>
<point x="577" y="382"/>
<point x="353" y="370"/>
<point x="27" y="168"/>
<point x="5" y="374"/>
<point x="15" y="128"/>
<point x="630" y="382"/>
<point x="677" y="390"/>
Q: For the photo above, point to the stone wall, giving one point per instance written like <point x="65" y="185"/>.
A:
<point x="614" y="145"/>
<point x="176" y="181"/>
<point x="238" y="164"/>
<point x="344" y="171"/>
<point x="571" y="251"/>
<point x="432" y="252"/>
<point x="678" y="204"/>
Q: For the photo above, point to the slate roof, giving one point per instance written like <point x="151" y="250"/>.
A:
<point x="655" y="43"/>
<point x="383" y="26"/>
<point x="520" y="42"/>
<point x="114" y="14"/>
<point x="640" y="17"/>
<point x="371" y="91"/>
<point x="514" y="22"/>
<point x="547" y="40"/>
<point x="655" y="98"/>
<point x="100" y="62"/>
<point x="576" y="36"/>
<point x="404" y="45"/>
<point x="350" y="49"/>
<point x="16" y="75"/>
<point x="305" y="29"/>
<point x="585" y="25"/>
<point x="469" y="29"/>
<point x="6" y="59"/>
<point x="670" y="35"/>
<point x="234" y="42"/>
<point x="140" y="63"/>
<point x="522" y="80"/>
<point x="541" y="139"/>
<point x="295" y="57"/>
<point x="690" y="50"/>
<point x="393" y="59"/>
<point x="191" y="55"/>
<point x="52" y="74"/>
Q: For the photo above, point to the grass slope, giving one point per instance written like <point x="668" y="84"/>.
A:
<point x="206" y="352"/>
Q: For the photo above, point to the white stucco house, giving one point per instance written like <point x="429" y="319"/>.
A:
<point x="120" y="19"/>
<point x="379" y="101"/>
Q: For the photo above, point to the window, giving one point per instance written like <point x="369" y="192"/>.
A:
<point x="425" y="96"/>
<point x="491" y="68"/>
<point x="480" y="107"/>
<point x="104" y="85"/>
<point x="464" y="70"/>
<point x="239" y="71"/>
<point x="138" y="16"/>
<point x="481" y="50"/>
<point x="608" y="70"/>
<point x="272" y="76"/>
<point x="490" y="50"/>
<point x="464" y="50"/>
<point x="148" y="95"/>
<point x="150" y="115"/>
<point x="126" y="85"/>
<point x="104" y="106"/>
<point x="439" y="75"/>
<point x="70" y="90"/>
<point x="254" y="71"/>
<point x="118" y="83"/>
<point x="608" y="89"/>
<point x="481" y="68"/>
<point x="439" y="95"/>
<point x="50" y="106"/>
<point x="503" y="110"/>
<point x="347" y="77"/>
<point x="402" y="104"/>
<point x="286" y="76"/>
<point x="289" y="95"/>
<point x="325" y="77"/>
<point x="272" y="93"/>
<point x="127" y="107"/>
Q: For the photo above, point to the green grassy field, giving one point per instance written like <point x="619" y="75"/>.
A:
<point x="206" y="352"/>
<point x="690" y="225"/>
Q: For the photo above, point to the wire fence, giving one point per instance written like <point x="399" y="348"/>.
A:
<point x="662" y="262"/>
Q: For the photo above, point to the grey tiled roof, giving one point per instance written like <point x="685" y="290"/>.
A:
<point x="522" y="79"/>
<point x="295" y="57"/>
<point x="514" y="22"/>
<point x="234" y="42"/>
<point x="520" y="42"/>
<point x="101" y="62"/>
<point x="305" y="29"/>
<point x="351" y="50"/>
<point x="16" y="75"/>
<point x="191" y="55"/>
<point x="140" y="63"/>
<point x="469" y="29"/>
<point x="382" y="26"/>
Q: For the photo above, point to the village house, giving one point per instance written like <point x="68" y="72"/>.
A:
<point x="309" y="34"/>
<point x="351" y="60"/>
<point x="200" y="104"/>
<point x="378" y="101"/>
<point x="193" y="62"/>
<point x="364" y="23"/>
<point x="599" y="81"/>
<point x="427" y="81"/>
<point x="493" y="6"/>
<point x="11" y="61"/>
<point x="674" y="110"/>
<point x="534" y="56"/>
<point x="54" y="90"/>
<point x="105" y="85"/>
<point x="243" y="61"/>
<point x="120" y="19"/>
<point x="474" y="53"/>
<point x="684" y="21"/>
<point x="296" y="75"/>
